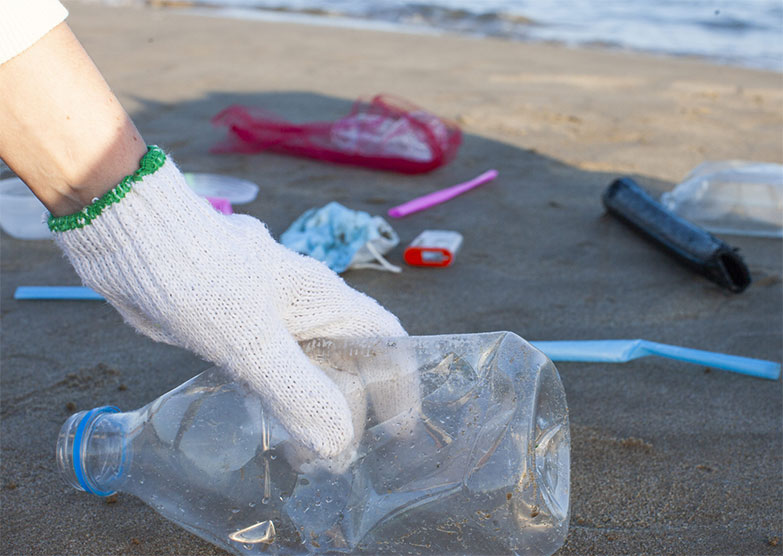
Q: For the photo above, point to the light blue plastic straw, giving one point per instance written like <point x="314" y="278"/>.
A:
<point x="56" y="292"/>
<point x="586" y="351"/>
<point x="620" y="351"/>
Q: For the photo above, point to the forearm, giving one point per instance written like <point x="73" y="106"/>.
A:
<point x="62" y="130"/>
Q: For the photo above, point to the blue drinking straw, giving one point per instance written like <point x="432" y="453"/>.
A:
<point x="56" y="292"/>
<point x="586" y="351"/>
<point x="620" y="351"/>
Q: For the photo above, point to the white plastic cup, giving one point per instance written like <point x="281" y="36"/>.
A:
<point x="21" y="213"/>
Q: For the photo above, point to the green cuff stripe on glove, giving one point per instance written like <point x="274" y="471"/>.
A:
<point x="152" y="160"/>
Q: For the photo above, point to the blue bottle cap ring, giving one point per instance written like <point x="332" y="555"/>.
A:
<point x="77" y="451"/>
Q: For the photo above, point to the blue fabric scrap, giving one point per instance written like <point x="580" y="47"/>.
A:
<point x="332" y="234"/>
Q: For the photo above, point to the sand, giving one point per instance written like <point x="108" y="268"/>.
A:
<point x="667" y="458"/>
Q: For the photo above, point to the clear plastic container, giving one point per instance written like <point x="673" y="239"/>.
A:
<point x="483" y="468"/>
<point x="237" y="191"/>
<point x="732" y="197"/>
<point x="21" y="213"/>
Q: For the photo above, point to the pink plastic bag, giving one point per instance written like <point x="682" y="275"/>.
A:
<point x="385" y="133"/>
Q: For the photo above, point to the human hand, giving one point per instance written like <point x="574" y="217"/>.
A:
<point x="221" y="287"/>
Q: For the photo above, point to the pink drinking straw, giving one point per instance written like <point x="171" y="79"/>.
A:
<point x="221" y="204"/>
<point x="438" y="197"/>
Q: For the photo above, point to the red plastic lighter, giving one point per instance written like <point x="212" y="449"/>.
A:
<point x="433" y="248"/>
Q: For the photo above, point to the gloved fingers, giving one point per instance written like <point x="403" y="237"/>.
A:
<point x="388" y="369"/>
<point x="303" y="459"/>
<point x="304" y="399"/>
<point x="352" y="389"/>
<point x="393" y="386"/>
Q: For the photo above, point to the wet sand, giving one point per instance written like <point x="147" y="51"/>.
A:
<point x="667" y="458"/>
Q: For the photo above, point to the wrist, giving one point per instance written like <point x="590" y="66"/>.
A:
<point x="95" y="200"/>
<point x="85" y="186"/>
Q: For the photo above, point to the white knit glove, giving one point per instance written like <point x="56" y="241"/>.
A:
<point x="220" y="286"/>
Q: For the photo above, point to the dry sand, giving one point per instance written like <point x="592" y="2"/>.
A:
<point x="668" y="458"/>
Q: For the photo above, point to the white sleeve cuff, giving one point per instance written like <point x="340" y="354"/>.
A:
<point x="23" y="22"/>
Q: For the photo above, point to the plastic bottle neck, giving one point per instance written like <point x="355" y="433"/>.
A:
<point x="91" y="450"/>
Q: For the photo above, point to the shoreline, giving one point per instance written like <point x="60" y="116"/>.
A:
<point x="324" y="17"/>
<point x="366" y="24"/>
<point x="303" y="18"/>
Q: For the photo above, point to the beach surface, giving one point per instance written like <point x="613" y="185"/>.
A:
<point x="667" y="457"/>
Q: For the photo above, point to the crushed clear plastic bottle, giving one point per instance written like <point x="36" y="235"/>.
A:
<point x="481" y="468"/>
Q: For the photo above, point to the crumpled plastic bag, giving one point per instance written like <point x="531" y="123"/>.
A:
<point x="342" y="238"/>
<point x="734" y="197"/>
<point x="384" y="133"/>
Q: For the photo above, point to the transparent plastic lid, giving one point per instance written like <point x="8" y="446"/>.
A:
<point x="237" y="191"/>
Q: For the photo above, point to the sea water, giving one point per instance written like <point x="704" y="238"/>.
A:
<point x="739" y="32"/>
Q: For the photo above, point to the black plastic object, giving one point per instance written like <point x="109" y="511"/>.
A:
<point x="692" y="245"/>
